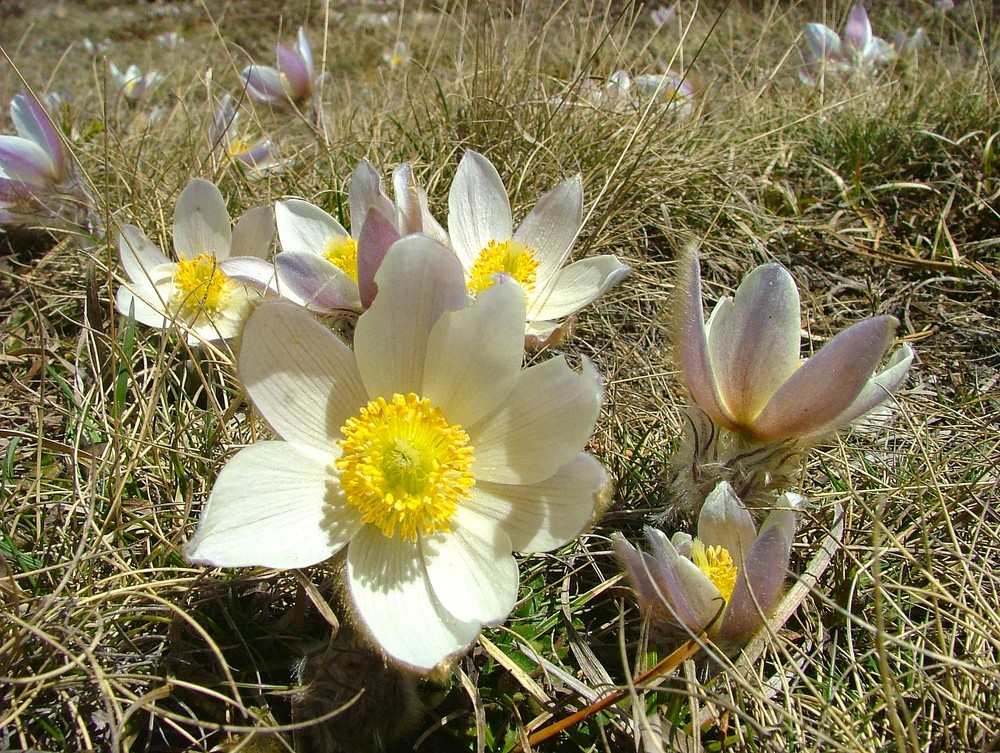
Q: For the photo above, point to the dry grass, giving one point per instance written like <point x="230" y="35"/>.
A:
<point x="879" y="198"/>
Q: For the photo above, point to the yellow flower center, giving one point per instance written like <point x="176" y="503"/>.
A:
<point x="238" y="146"/>
<point x="717" y="564"/>
<point x="510" y="257"/>
<point x="404" y="467"/>
<point x="200" y="286"/>
<point x="342" y="252"/>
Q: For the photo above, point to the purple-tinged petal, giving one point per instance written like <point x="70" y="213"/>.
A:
<point x="761" y="581"/>
<point x="32" y="122"/>
<point x="692" y="598"/>
<point x="291" y="65"/>
<point x="725" y="522"/>
<point x="826" y="384"/>
<point x="857" y="37"/>
<point x="265" y="86"/>
<point x="25" y="162"/>
<point x="259" y="156"/>
<point x="377" y="234"/>
<point x="305" y="52"/>
<point x="313" y="282"/>
<point x="753" y="341"/>
<point x="225" y="117"/>
<point x="691" y="341"/>
<point x="876" y="391"/>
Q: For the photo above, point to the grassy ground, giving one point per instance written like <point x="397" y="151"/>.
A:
<point x="880" y="197"/>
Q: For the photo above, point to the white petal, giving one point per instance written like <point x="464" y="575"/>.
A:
<point x="576" y="286"/>
<point x="552" y="227"/>
<point x="141" y="301"/>
<point x="305" y="227"/>
<point x="545" y="422"/>
<point x="139" y="255"/>
<point x="471" y="569"/>
<point x="468" y="375"/>
<point x="250" y="270"/>
<point x="201" y="221"/>
<point x="300" y="376"/>
<point x="253" y="233"/>
<point x="478" y="208"/>
<point x="690" y="595"/>
<point x="545" y="515"/>
<point x="725" y="522"/>
<point x="392" y="597"/>
<point x="274" y="505"/>
<point x="417" y="282"/>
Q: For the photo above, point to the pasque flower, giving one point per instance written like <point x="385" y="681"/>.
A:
<point x="133" y="84"/>
<point x="36" y="179"/>
<point x="482" y="234"/>
<point x="290" y="84"/>
<point x="324" y="267"/>
<point x="257" y="156"/>
<point x="197" y="292"/>
<point x="859" y="51"/>
<point x="742" y="367"/>
<point x="682" y="583"/>
<point x="426" y="453"/>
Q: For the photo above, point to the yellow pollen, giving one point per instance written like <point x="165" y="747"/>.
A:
<point x="404" y="466"/>
<point x="510" y="257"/>
<point x="200" y="286"/>
<point x="717" y="564"/>
<point x="342" y="252"/>
<point x="238" y="146"/>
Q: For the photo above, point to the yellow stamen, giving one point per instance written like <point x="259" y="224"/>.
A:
<point x="510" y="257"/>
<point x="717" y="564"/>
<point x="404" y="466"/>
<point x="200" y="286"/>
<point x="342" y="252"/>
<point x="238" y="146"/>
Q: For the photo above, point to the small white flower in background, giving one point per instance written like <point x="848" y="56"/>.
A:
<point x="481" y="229"/>
<point x="742" y="367"/>
<point x="170" y="39"/>
<point x="399" y="56"/>
<point x="858" y="52"/>
<point x="325" y="268"/>
<point x="906" y="47"/>
<point x="197" y="292"/>
<point x="97" y="48"/>
<point x="668" y="88"/>
<point x="258" y="157"/>
<point x="662" y="15"/>
<point x="133" y="84"/>
<point x="288" y="86"/>
<point x="426" y="452"/>
<point x="36" y="179"/>
<point x="682" y="583"/>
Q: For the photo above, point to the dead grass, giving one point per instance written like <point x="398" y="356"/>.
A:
<point x="879" y="199"/>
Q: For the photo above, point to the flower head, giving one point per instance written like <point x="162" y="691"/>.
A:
<point x="682" y="583"/>
<point x="858" y="51"/>
<point x="132" y="84"/>
<point x="289" y="85"/>
<point x="327" y="269"/>
<point x="426" y="452"/>
<point x="199" y="291"/>
<point x="742" y="367"/>
<point x="36" y="179"/>
<point x="258" y="156"/>
<point x="482" y="234"/>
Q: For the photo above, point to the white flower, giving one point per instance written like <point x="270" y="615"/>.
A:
<point x="859" y="51"/>
<point x="482" y="234"/>
<point x="256" y="156"/>
<point x="288" y="85"/>
<point x="196" y="292"/>
<point x="132" y="84"/>
<point x="426" y="453"/>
